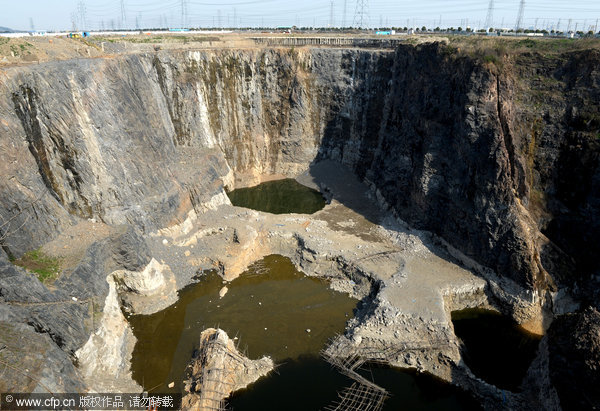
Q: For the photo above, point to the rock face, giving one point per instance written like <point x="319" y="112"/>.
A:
<point x="218" y="370"/>
<point x="574" y="341"/>
<point x="500" y="163"/>
<point x="63" y="317"/>
<point x="449" y="144"/>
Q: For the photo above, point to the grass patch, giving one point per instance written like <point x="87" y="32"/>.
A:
<point x="490" y="58"/>
<point x="46" y="268"/>
<point x="494" y="49"/>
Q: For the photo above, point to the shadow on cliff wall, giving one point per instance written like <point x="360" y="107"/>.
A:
<point x="426" y="127"/>
<point x="401" y="129"/>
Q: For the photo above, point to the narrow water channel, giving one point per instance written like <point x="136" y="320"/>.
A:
<point x="496" y="348"/>
<point x="279" y="197"/>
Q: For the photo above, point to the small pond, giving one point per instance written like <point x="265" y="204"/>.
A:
<point x="279" y="197"/>
<point x="269" y="307"/>
<point x="497" y="349"/>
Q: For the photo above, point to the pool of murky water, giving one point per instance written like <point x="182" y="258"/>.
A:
<point x="312" y="384"/>
<point x="279" y="197"/>
<point x="269" y="308"/>
<point x="496" y="349"/>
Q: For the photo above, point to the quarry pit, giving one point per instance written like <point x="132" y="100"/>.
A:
<point x="451" y="182"/>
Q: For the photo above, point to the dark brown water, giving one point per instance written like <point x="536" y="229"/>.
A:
<point x="496" y="348"/>
<point x="269" y="307"/>
<point x="279" y="197"/>
<point x="311" y="384"/>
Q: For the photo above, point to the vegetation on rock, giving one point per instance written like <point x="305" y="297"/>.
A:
<point x="45" y="267"/>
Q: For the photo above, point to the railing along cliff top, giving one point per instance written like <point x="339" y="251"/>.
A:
<point x="329" y="41"/>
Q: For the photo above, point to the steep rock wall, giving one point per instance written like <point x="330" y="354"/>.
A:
<point x="443" y="139"/>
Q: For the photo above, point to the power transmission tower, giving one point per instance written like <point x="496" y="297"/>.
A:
<point x="569" y="25"/>
<point x="73" y="22"/>
<point x="331" y="13"/>
<point x="82" y="14"/>
<point x="361" y="14"/>
<point x="235" y="18"/>
<point x="596" y="26"/>
<point x="219" y="18"/>
<point x="520" y="15"/>
<point x="31" y="24"/>
<point x="344" y="14"/>
<point x="558" y="25"/>
<point x="123" y="14"/>
<point x="183" y="13"/>
<point x="489" y="19"/>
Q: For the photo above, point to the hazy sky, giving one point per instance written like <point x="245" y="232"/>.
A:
<point x="61" y="14"/>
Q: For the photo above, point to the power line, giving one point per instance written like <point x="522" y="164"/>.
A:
<point x="344" y="14"/>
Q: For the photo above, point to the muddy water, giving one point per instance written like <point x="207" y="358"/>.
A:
<point x="269" y="307"/>
<point x="279" y="197"/>
<point x="496" y="349"/>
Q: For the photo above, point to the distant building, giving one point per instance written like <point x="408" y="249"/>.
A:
<point x="385" y="33"/>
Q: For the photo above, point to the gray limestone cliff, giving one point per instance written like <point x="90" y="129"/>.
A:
<point x="502" y="163"/>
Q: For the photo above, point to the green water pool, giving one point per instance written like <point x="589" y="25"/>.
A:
<point x="279" y="197"/>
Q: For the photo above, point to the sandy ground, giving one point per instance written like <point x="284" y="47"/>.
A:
<point x="39" y="49"/>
